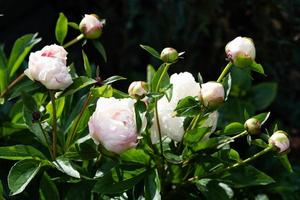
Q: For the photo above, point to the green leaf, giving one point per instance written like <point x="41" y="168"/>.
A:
<point x="150" y="50"/>
<point x="286" y="163"/>
<point x="28" y="109"/>
<point x="160" y="79"/>
<point x="105" y="184"/>
<point x="214" y="190"/>
<point x="1" y="191"/>
<point x="172" y="158"/>
<point x="262" y="117"/>
<point x="98" y="45"/>
<point x="103" y="91"/>
<point x="251" y="177"/>
<point x="48" y="189"/>
<point x="260" y="143"/>
<point x="20" y="152"/>
<point x="20" y="50"/>
<point x="87" y="65"/>
<point x="263" y="94"/>
<point x="112" y="79"/>
<point x="78" y="83"/>
<point x="152" y="185"/>
<point x="209" y="143"/>
<point x="257" y="67"/>
<point x="73" y="25"/>
<point x="138" y="156"/>
<point x="150" y="73"/>
<point x="61" y="28"/>
<point x="3" y="69"/>
<point x="27" y="86"/>
<point x="65" y="166"/>
<point x="195" y="135"/>
<point x="233" y="128"/>
<point x="21" y="174"/>
<point x="188" y="107"/>
<point x="139" y="108"/>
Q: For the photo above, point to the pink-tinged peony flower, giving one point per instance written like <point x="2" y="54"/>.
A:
<point x="184" y="85"/>
<point x="91" y="26"/>
<point x="280" y="140"/>
<point x="240" y="47"/>
<point x="48" y="66"/>
<point x="113" y="124"/>
<point x="212" y="94"/>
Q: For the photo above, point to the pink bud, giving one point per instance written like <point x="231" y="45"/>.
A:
<point x="91" y="26"/>
<point x="212" y="94"/>
<point x="280" y="140"/>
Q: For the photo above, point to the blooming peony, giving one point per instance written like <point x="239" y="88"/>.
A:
<point x="184" y="85"/>
<point x="48" y="66"/>
<point x="113" y="124"/>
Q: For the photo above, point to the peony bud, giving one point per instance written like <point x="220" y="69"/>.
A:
<point x="113" y="124"/>
<point x="280" y="140"/>
<point x="137" y="89"/>
<point x="169" y="55"/>
<point x="212" y="95"/>
<point x="241" y="51"/>
<point x="48" y="66"/>
<point x="252" y="125"/>
<point x="91" y="26"/>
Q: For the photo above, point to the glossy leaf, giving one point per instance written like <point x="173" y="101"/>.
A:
<point x="195" y="135"/>
<point x="87" y="65"/>
<point x="257" y="67"/>
<point x="263" y="94"/>
<point x="188" y="107"/>
<point x="103" y="91"/>
<point x="160" y="79"/>
<point x="20" y="50"/>
<point x="286" y="163"/>
<point x="105" y="185"/>
<point x="78" y="83"/>
<point x="73" y="25"/>
<point x="48" y="189"/>
<point x="61" y="28"/>
<point x="65" y="166"/>
<point x="21" y="174"/>
<point x="98" y="45"/>
<point x="112" y="79"/>
<point x="20" y="152"/>
<point x="233" y="128"/>
<point x="150" y="50"/>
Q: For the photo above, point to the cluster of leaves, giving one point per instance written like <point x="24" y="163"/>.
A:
<point x="83" y="170"/>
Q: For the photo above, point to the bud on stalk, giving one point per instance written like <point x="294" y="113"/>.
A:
<point x="280" y="140"/>
<point x="169" y="55"/>
<point x="212" y="95"/>
<point x="91" y="26"/>
<point x="252" y="126"/>
<point x="137" y="89"/>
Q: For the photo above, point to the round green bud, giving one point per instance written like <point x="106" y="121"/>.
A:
<point x="252" y="126"/>
<point x="169" y="55"/>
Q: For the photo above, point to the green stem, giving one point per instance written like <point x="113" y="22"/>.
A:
<point x="237" y="136"/>
<point x="236" y="165"/>
<point x="75" y="40"/>
<point x="162" y="75"/>
<point x="224" y="72"/>
<point x="46" y="139"/>
<point x="54" y="125"/>
<point x="20" y="77"/>
<point x="77" y="120"/>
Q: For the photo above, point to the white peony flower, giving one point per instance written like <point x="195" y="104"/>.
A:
<point x="184" y="85"/>
<point x="113" y="124"/>
<point x="240" y="47"/>
<point x="212" y="94"/>
<point x="91" y="26"/>
<point x="48" y="66"/>
<point x="280" y="140"/>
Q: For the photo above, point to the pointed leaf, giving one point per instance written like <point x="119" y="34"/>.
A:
<point x="87" y="65"/>
<point x="61" y="28"/>
<point x="20" y="152"/>
<point x="98" y="45"/>
<point x="150" y="50"/>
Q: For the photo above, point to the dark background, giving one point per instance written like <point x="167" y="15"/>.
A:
<point x="201" y="28"/>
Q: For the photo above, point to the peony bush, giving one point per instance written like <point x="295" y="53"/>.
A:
<point x="166" y="137"/>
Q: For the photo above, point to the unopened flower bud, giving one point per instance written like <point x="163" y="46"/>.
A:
<point x="280" y="140"/>
<point x="241" y="51"/>
<point x="91" y="26"/>
<point x="212" y="95"/>
<point x="36" y="116"/>
<point x="169" y="55"/>
<point x="137" y="89"/>
<point x="252" y="125"/>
